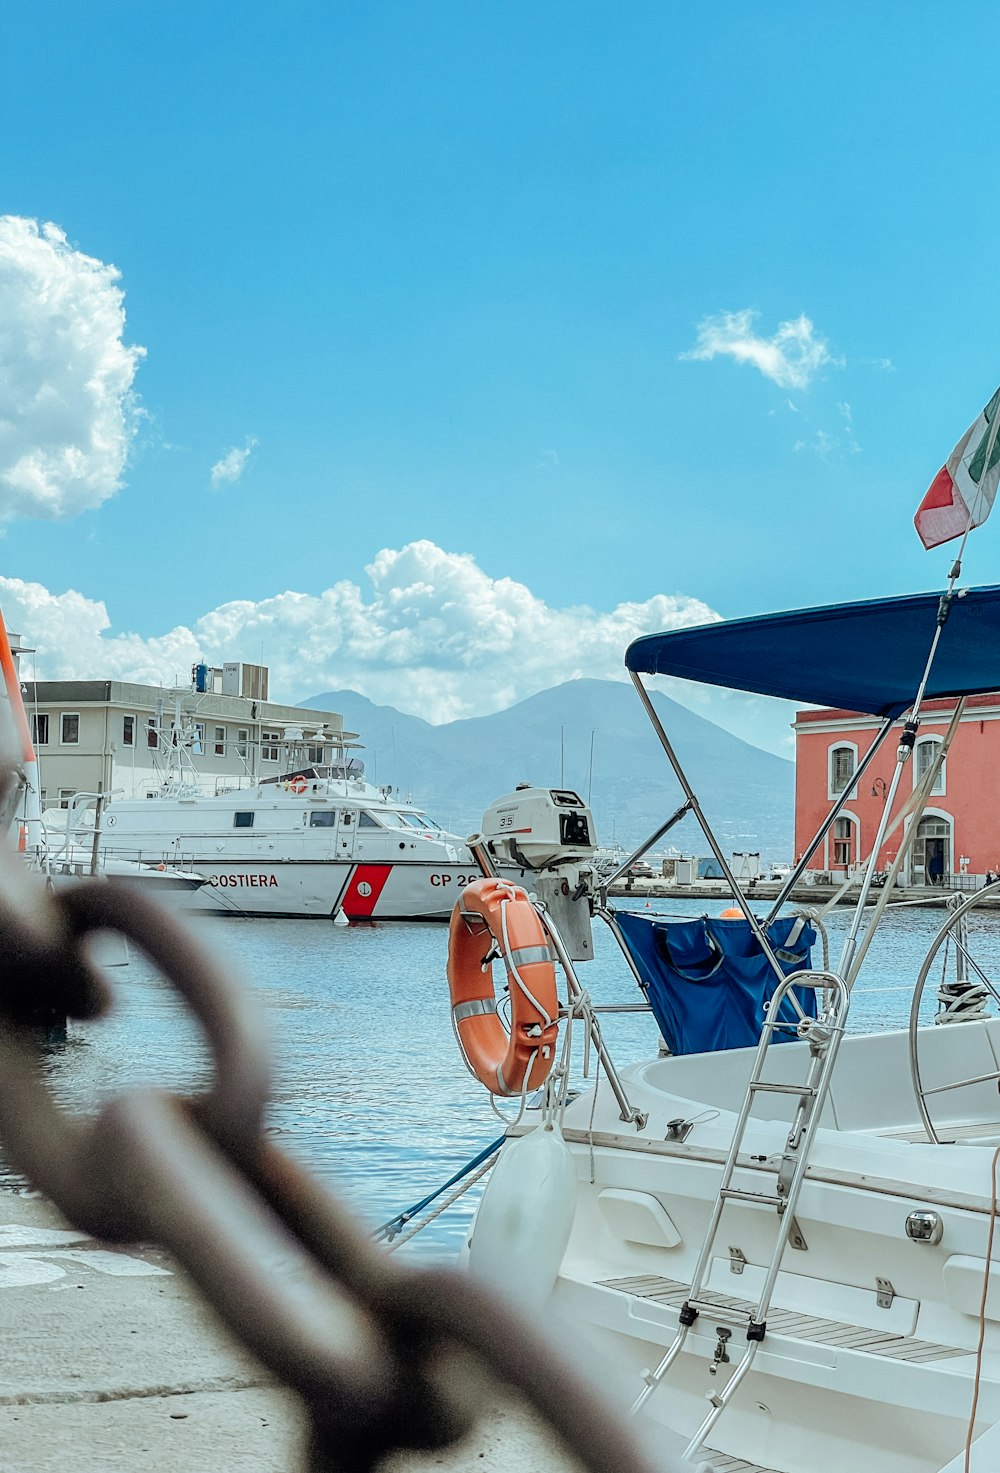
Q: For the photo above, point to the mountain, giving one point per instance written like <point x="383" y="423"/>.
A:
<point x="456" y="770"/>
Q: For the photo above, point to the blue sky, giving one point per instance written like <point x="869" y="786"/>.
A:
<point x="647" y="304"/>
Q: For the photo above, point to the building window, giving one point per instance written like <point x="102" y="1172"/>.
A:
<point x="843" y="843"/>
<point x="152" y="739"/>
<point x="243" y="820"/>
<point x="242" y="742"/>
<point x="220" y="741"/>
<point x="40" y="729"/>
<point x="70" y="729"/>
<point x="198" y="739"/>
<point x="923" y="758"/>
<point x="843" y="762"/>
<point x="64" y="796"/>
<point x="128" y="731"/>
<point x="314" y="754"/>
<point x="270" y="745"/>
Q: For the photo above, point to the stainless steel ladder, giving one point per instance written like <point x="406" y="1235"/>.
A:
<point x="823" y="1035"/>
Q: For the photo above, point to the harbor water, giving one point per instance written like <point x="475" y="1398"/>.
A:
<point x="370" y="1091"/>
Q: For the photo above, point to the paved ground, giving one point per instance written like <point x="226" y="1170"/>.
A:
<point x="111" y="1365"/>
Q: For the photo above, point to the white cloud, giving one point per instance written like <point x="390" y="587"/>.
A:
<point x="67" y="412"/>
<point x="232" y="465"/>
<point x="70" y="634"/>
<point x="791" y="358"/>
<point x="433" y="634"/>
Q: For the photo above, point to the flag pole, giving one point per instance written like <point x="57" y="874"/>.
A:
<point x="990" y="445"/>
<point x="908" y="735"/>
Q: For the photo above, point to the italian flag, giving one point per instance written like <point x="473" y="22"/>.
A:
<point x="961" y="494"/>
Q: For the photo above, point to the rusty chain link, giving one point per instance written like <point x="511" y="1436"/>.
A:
<point x="385" y="1356"/>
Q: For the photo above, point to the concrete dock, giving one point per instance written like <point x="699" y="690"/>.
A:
<point x="112" y="1364"/>
<point x="708" y="892"/>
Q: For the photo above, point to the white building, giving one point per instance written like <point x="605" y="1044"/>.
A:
<point x="112" y="736"/>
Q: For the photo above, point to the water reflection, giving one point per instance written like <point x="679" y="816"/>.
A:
<point x="370" y="1091"/>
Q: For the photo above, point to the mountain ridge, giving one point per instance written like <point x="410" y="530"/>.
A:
<point x="456" y="769"/>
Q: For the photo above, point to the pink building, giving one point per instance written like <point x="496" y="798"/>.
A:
<point x="959" y="832"/>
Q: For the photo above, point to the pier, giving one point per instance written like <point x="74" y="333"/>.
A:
<point x="111" y="1362"/>
<point x="711" y="891"/>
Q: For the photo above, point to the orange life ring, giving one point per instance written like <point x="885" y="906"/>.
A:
<point x="298" y="785"/>
<point x="496" y="919"/>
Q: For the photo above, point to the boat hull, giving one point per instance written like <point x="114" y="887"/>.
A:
<point x="321" y="889"/>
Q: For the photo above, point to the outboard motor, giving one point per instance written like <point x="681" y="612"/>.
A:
<point x="546" y="836"/>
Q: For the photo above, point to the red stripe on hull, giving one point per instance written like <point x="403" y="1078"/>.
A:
<point x="367" y="884"/>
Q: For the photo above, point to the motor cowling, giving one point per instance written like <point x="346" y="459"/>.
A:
<point x="544" y="838"/>
<point x="540" y="828"/>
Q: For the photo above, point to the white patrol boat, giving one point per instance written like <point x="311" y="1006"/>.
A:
<point x="317" y="841"/>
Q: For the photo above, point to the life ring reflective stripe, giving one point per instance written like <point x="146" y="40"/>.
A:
<point x="494" y="919"/>
<point x="298" y="785"/>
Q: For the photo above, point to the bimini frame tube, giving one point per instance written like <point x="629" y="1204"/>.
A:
<point x="829" y="820"/>
<point x="755" y="925"/>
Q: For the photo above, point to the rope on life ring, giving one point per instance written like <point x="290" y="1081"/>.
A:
<point x="495" y="920"/>
<point x="298" y="785"/>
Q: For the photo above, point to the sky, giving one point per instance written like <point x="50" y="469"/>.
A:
<point x="436" y="351"/>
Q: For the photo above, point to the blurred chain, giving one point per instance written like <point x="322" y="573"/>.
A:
<point x="384" y="1356"/>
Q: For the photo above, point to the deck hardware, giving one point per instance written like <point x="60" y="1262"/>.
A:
<point x="925" y="1227"/>
<point x="737" y="1260"/>
<point x="721" y="1356"/>
<point x="796" y="1237"/>
<point x="678" y="1130"/>
<point x="884" y="1293"/>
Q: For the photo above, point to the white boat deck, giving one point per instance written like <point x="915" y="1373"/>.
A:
<point x="723" y="1463"/>
<point x="814" y="1329"/>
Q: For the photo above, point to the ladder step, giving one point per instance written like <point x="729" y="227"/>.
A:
<point x="806" y="1091"/>
<point x="723" y="1311"/>
<point x="736" y="1194"/>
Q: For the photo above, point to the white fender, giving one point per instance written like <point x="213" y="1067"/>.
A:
<point x="524" y="1220"/>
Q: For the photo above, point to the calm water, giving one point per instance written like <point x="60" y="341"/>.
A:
<point x="370" y="1090"/>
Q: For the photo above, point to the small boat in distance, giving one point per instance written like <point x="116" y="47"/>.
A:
<point x="51" y="843"/>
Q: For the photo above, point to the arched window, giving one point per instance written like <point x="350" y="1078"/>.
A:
<point x="843" y="842"/>
<point x="924" y="754"/>
<point x="843" y="764"/>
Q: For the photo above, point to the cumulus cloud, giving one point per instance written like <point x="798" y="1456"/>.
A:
<point x="791" y="358"/>
<point x="432" y="633"/>
<point x="232" y="465"/>
<point x="70" y="633"/>
<point x="67" y="410"/>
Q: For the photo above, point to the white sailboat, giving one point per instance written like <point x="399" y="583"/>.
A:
<point x="781" y="1234"/>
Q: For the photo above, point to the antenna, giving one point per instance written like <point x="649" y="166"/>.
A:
<point x="590" y="770"/>
<point x="562" y="756"/>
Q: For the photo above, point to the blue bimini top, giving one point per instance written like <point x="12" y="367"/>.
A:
<point x="861" y="657"/>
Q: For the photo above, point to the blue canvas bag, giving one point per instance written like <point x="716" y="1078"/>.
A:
<point x="708" y="981"/>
